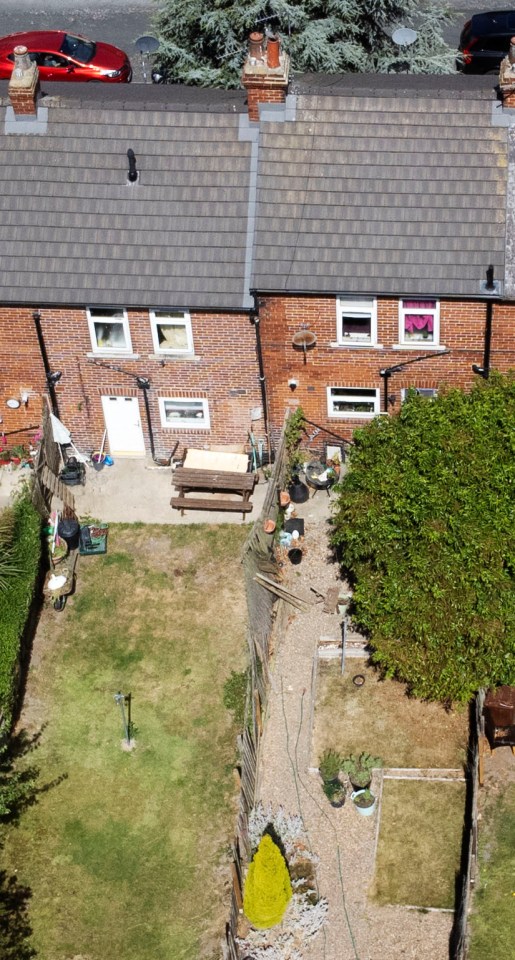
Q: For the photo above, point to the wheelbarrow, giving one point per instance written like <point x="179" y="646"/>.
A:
<point x="60" y="580"/>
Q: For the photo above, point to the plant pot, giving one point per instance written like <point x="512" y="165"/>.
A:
<point x="295" y="555"/>
<point x="298" y="491"/>
<point x="366" y="811"/>
<point x="335" y="792"/>
<point x="284" y="498"/>
<point x="358" y="787"/>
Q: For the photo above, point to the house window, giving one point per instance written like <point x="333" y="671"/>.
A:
<point x="419" y="322"/>
<point x="171" y="332"/>
<point x="352" y="402"/>
<point x="184" y="413"/>
<point x="357" y="320"/>
<point x="428" y="392"/>
<point x="109" y="330"/>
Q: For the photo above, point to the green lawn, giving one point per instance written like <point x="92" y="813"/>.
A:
<point x="418" y="855"/>
<point x="493" y="916"/>
<point x="126" y="856"/>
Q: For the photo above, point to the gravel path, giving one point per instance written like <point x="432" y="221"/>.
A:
<point x="357" y="929"/>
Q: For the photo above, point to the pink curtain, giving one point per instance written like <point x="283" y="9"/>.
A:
<point x="419" y="320"/>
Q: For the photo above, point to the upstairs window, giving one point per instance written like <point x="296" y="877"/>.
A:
<point x="352" y="402"/>
<point x="171" y="332"/>
<point x="109" y="330"/>
<point x="357" y="321"/>
<point x="419" y="322"/>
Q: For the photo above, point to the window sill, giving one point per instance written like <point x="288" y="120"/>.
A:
<point x="354" y="345"/>
<point x="171" y="356"/>
<point x="183" y="426"/>
<point x="420" y="345"/>
<point x="352" y="416"/>
<point x="112" y="354"/>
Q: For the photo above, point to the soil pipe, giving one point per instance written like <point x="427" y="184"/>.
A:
<point x="488" y="340"/>
<point x="144" y="385"/>
<point x="36" y="316"/>
<point x="254" y="319"/>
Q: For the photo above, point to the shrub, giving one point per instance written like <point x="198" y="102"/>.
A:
<point x="267" y="887"/>
<point x="330" y="764"/>
<point x="17" y="596"/>
<point x="235" y="695"/>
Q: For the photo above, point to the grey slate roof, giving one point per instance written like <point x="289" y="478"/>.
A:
<point x="73" y="230"/>
<point x="383" y="193"/>
<point x="378" y="185"/>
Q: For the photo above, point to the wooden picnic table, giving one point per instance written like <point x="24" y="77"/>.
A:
<point x="187" y="480"/>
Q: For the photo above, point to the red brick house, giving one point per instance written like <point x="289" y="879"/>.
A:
<point x="355" y="215"/>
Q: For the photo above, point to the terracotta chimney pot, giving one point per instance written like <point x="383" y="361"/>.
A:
<point x="272" y="52"/>
<point x="256" y="51"/>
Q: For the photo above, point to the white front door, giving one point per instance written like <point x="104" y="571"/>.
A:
<point x="123" y="422"/>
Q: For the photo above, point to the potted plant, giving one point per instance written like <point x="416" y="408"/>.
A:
<point x="364" y="801"/>
<point x="358" y="767"/>
<point x="329" y="766"/>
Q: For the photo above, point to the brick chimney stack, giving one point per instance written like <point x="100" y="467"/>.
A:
<point x="24" y="84"/>
<point x="265" y="73"/>
<point x="507" y="77"/>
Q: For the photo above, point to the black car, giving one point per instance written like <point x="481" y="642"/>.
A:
<point x="485" y="41"/>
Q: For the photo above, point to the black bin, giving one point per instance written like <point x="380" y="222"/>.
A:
<point x="69" y="531"/>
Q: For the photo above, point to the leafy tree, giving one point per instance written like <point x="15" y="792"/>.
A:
<point x="267" y="886"/>
<point x="204" y="42"/>
<point x="425" y="521"/>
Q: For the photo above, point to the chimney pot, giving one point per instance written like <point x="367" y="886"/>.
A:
<point x="272" y="52"/>
<point x="23" y="84"/>
<point x="256" y="47"/>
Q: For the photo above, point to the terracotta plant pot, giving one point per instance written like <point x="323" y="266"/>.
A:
<point x="284" y="498"/>
<point x="269" y="526"/>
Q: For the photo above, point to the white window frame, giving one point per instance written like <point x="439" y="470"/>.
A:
<point x="419" y="344"/>
<point x="361" y="305"/>
<point x="356" y="397"/>
<point x="185" y="423"/>
<point x="100" y="316"/>
<point x="158" y="317"/>
<point x="429" y="393"/>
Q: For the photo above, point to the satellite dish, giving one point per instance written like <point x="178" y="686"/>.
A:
<point x="404" y="37"/>
<point x="304" y="339"/>
<point x="146" y="45"/>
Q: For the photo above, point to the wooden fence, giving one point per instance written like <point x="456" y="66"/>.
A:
<point x="46" y="473"/>
<point x="460" y="933"/>
<point x="258" y="557"/>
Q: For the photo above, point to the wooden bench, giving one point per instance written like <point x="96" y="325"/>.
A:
<point x="215" y="481"/>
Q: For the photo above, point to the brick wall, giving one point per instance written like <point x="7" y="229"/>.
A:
<point x="223" y="370"/>
<point x="21" y="372"/>
<point x="461" y="331"/>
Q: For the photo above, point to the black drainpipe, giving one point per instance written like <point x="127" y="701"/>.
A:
<point x="50" y="377"/>
<point x="490" y="287"/>
<point x="254" y="317"/>
<point x="144" y="385"/>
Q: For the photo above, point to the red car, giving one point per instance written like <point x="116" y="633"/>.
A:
<point x="63" y="56"/>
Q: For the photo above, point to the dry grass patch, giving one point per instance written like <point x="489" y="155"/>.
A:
<point x="381" y="719"/>
<point x="418" y="855"/>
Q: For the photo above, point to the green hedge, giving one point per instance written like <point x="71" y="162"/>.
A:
<point x="16" y="599"/>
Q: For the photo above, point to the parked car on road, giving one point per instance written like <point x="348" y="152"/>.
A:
<point x="485" y="41"/>
<point x="65" y="56"/>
